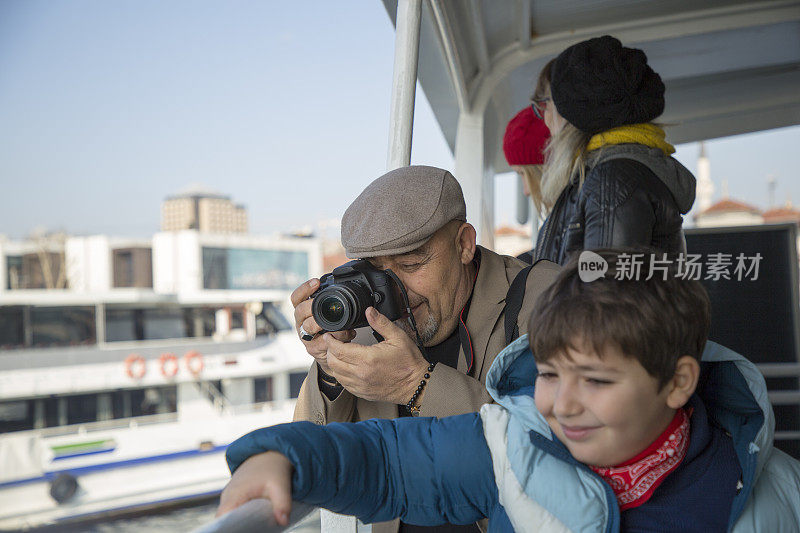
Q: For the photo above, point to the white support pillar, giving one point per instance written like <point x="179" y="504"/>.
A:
<point x="100" y="323"/>
<point x="523" y="202"/>
<point x="401" y="128"/>
<point x="404" y="83"/>
<point x="475" y="176"/>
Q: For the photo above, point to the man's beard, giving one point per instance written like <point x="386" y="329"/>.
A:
<point x="427" y="330"/>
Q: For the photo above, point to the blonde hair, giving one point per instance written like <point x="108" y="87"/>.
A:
<point x="532" y="176"/>
<point x="543" y="81"/>
<point x="565" y="157"/>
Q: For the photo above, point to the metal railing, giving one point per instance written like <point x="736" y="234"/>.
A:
<point x="783" y="397"/>
<point x="779" y="370"/>
<point x="256" y="515"/>
<point x="220" y="402"/>
<point x="102" y="425"/>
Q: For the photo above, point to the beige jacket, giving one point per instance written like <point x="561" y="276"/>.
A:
<point x="450" y="391"/>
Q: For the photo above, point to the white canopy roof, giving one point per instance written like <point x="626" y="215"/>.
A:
<point x="730" y="66"/>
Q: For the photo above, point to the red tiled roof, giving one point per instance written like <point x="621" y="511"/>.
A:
<point x="782" y="214"/>
<point x="731" y="206"/>
<point x="508" y="230"/>
<point x="331" y="261"/>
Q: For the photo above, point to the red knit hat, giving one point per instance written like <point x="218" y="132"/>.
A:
<point x="525" y="139"/>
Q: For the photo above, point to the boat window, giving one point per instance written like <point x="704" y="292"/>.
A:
<point x="164" y="324"/>
<point x="123" y="268"/>
<point x="123" y="325"/>
<point x="271" y="320"/>
<point x="62" y="326"/>
<point x="237" y="319"/>
<point x="153" y="400"/>
<point x="104" y="411"/>
<point x="14" y="272"/>
<point x="133" y="267"/>
<point x="16" y="416"/>
<point x="199" y="321"/>
<point x="49" y="413"/>
<point x="26" y="272"/>
<point x="170" y="399"/>
<point x="21" y="415"/>
<point x="81" y="408"/>
<point x="121" y="404"/>
<point x="11" y="327"/>
<point x="253" y="268"/>
<point x="262" y="389"/>
<point x="215" y="268"/>
<point x="295" y="382"/>
<point x="141" y="406"/>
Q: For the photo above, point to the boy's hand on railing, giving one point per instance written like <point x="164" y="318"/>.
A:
<point x="266" y="475"/>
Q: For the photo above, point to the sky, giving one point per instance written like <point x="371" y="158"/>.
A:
<point x="106" y="108"/>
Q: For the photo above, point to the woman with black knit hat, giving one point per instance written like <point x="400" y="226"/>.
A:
<point x="609" y="174"/>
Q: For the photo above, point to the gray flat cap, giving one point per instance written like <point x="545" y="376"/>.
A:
<point x="400" y="211"/>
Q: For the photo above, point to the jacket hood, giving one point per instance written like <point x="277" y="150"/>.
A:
<point x="680" y="182"/>
<point x="731" y="387"/>
<point x="510" y="382"/>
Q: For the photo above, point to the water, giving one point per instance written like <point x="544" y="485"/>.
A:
<point x="178" y="520"/>
<point x="174" y="520"/>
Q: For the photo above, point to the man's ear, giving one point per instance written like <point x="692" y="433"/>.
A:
<point x="465" y="242"/>
<point x="683" y="382"/>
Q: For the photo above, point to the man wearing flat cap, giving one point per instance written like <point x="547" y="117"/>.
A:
<point x="413" y="221"/>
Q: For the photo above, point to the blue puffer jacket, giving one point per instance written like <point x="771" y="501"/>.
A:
<point x="505" y="464"/>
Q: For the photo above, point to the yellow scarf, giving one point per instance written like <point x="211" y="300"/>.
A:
<point x="646" y="134"/>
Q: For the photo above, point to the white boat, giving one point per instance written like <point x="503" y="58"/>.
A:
<point x="117" y="397"/>
<point x="155" y="439"/>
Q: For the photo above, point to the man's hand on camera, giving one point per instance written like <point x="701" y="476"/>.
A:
<point x="316" y="347"/>
<point x="389" y="371"/>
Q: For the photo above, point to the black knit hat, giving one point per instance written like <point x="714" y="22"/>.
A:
<point x="599" y="84"/>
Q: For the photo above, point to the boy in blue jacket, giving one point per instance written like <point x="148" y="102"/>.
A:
<point x="625" y="418"/>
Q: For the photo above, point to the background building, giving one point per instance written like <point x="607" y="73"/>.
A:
<point x="37" y="263"/>
<point x="203" y="210"/>
<point x="728" y="212"/>
<point x="513" y="240"/>
<point x="178" y="285"/>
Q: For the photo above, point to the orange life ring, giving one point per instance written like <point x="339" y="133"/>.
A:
<point x="169" y="365"/>
<point x="194" y="362"/>
<point x="135" y="366"/>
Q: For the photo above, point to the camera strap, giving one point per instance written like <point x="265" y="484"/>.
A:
<point x="514" y="298"/>
<point x="409" y="314"/>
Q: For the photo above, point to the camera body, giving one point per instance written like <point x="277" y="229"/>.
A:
<point x="344" y="295"/>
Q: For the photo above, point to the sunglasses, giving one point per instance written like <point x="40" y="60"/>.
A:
<point x="539" y="105"/>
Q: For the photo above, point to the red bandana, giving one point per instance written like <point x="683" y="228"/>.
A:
<point x="635" y="480"/>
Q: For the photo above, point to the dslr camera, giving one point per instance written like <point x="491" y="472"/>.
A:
<point x="345" y="294"/>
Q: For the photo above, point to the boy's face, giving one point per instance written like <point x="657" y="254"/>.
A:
<point x="605" y="410"/>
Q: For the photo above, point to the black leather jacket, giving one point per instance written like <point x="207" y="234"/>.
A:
<point x="633" y="196"/>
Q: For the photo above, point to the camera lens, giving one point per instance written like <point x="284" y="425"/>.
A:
<point x="341" y="306"/>
<point x="332" y="309"/>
